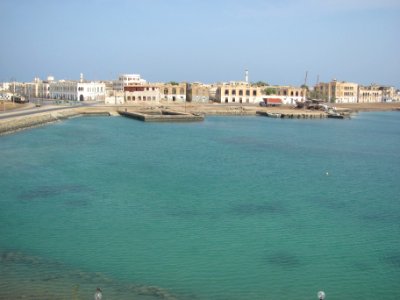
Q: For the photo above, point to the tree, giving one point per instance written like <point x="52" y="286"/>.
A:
<point x="270" y="91"/>
<point x="260" y="83"/>
<point x="173" y="83"/>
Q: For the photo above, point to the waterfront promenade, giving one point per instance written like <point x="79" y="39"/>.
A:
<point x="30" y="116"/>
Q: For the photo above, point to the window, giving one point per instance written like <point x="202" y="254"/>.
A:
<point x="182" y="91"/>
<point x="166" y="91"/>
<point x="254" y="92"/>
<point x="233" y="99"/>
<point x="233" y="92"/>
<point x="173" y="91"/>
<point x="240" y="93"/>
<point x="247" y="92"/>
<point x="226" y="100"/>
<point x="226" y="92"/>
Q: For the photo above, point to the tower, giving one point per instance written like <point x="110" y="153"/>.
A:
<point x="246" y="76"/>
<point x="81" y="77"/>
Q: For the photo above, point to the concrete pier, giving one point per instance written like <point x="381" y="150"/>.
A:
<point x="293" y="115"/>
<point x="161" y="116"/>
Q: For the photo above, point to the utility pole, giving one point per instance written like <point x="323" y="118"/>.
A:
<point x="305" y="78"/>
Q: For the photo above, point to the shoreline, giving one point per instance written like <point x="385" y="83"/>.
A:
<point x="17" y="123"/>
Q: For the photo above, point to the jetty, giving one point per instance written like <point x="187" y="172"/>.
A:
<point x="292" y="114"/>
<point x="162" y="116"/>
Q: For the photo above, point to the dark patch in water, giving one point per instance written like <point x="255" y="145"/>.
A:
<point x="76" y="203"/>
<point x="184" y="213"/>
<point x="393" y="260"/>
<point x="250" y="209"/>
<point x="363" y="266"/>
<point x="43" y="192"/>
<point x="380" y="216"/>
<point x="284" y="259"/>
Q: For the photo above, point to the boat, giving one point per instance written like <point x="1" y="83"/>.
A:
<point x="335" y="116"/>
<point x="274" y="115"/>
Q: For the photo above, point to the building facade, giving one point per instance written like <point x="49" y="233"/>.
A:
<point x="337" y="91"/>
<point x="289" y="95"/>
<point x="369" y="94"/>
<point x="198" y="92"/>
<point x="142" y="93"/>
<point x="126" y="80"/>
<point x="77" y="90"/>
<point x="238" y="92"/>
<point x="173" y="91"/>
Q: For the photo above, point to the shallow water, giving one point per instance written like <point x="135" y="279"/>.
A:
<point x="231" y="208"/>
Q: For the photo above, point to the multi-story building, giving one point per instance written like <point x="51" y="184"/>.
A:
<point x="238" y="92"/>
<point x="126" y="80"/>
<point x="173" y="91"/>
<point x="198" y="92"/>
<point x="77" y="90"/>
<point x="142" y="93"/>
<point x="289" y="95"/>
<point x="369" y="94"/>
<point x="337" y="91"/>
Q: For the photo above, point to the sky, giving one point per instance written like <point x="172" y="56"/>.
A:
<point x="202" y="40"/>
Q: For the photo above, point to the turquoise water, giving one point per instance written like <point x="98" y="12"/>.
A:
<point x="230" y="208"/>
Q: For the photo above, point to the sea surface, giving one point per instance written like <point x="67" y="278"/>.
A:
<point x="229" y="208"/>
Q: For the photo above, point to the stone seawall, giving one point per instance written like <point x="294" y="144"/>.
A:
<point x="20" y="123"/>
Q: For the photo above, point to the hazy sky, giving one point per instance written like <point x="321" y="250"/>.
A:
<point x="202" y="40"/>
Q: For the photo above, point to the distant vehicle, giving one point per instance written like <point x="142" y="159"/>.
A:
<point x="19" y="99"/>
<point x="271" y="102"/>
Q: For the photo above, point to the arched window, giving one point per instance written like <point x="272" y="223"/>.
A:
<point x="174" y="91"/>
<point x="166" y="91"/>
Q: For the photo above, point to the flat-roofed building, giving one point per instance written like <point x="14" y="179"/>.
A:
<point x="198" y="92"/>
<point x="77" y="90"/>
<point x="369" y="94"/>
<point x="142" y="93"/>
<point x="238" y="92"/>
<point x="289" y="95"/>
<point x="126" y="80"/>
<point x="173" y="91"/>
<point x="337" y="91"/>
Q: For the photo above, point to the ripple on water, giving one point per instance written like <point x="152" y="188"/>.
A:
<point x="48" y="191"/>
<point x="251" y="209"/>
<point x="284" y="259"/>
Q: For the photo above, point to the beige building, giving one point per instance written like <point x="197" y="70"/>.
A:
<point x="369" y="94"/>
<point x="289" y="95"/>
<point x="141" y="93"/>
<point x="198" y="92"/>
<point x="173" y="91"/>
<point x="238" y="92"/>
<point x="337" y="91"/>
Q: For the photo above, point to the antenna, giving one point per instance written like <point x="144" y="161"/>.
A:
<point x="305" y="78"/>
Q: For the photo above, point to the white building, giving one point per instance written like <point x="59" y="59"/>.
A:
<point x="127" y="80"/>
<point x="78" y="90"/>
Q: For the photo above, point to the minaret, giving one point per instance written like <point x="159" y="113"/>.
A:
<point x="246" y="76"/>
<point x="81" y="78"/>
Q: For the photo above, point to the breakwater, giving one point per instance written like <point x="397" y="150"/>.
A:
<point x="15" y="124"/>
<point x="162" y="116"/>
